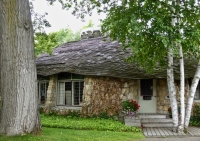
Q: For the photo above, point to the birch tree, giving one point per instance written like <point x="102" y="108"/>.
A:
<point x="19" y="111"/>
<point x="146" y="27"/>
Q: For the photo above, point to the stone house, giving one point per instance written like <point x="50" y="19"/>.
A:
<point x="91" y="75"/>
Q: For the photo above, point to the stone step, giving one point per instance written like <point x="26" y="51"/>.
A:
<point x="156" y="120"/>
<point x="170" y="124"/>
<point x="153" y="116"/>
<point x="133" y="124"/>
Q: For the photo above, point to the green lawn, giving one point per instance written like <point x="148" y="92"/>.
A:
<point x="59" y="134"/>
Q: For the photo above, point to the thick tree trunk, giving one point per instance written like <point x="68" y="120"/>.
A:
<point x="19" y="113"/>
<point x="190" y="98"/>
<point x="171" y="89"/>
<point x="182" y="91"/>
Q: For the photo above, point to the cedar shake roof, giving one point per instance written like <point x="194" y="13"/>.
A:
<point x="98" y="57"/>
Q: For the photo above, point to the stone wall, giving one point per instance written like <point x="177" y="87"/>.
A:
<point x="163" y="102"/>
<point x="51" y="94"/>
<point x="105" y="94"/>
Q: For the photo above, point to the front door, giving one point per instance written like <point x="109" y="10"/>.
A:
<point x="147" y="96"/>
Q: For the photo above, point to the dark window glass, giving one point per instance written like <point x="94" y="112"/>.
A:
<point x="77" y="76"/>
<point x="146" y="87"/>
<point x="40" y="77"/>
<point x="42" y="91"/>
<point x="64" y="75"/>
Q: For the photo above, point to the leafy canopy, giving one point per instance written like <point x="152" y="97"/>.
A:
<point x="146" y="26"/>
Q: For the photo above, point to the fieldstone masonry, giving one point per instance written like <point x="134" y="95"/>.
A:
<point x="51" y="94"/>
<point x="105" y="94"/>
<point x="163" y="102"/>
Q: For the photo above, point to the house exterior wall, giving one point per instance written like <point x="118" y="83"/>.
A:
<point x="105" y="94"/>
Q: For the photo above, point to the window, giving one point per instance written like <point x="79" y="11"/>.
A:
<point x="146" y="87"/>
<point x="43" y="83"/>
<point x="70" y="89"/>
<point x="42" y="91"/>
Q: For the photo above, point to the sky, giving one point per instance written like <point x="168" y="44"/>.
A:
<point x="59" y="18"/>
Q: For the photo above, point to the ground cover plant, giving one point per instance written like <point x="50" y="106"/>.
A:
<point x="195" y="118"/>
<point x="80" y="123"/>
<point x="59" y="134"/>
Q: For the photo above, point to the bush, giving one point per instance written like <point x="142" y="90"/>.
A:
<point x="195" y="117"/>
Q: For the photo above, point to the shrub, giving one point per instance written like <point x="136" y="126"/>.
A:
<point x="130" y="105"/>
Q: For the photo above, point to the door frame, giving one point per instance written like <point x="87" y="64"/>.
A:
<point x="142" y="102"/>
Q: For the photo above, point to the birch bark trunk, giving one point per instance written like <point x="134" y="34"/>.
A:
<point x="190" y="98"/>
<point x="171" y="89"/>
<point x="19" y="112"/>
<point x="182" y="80"/>
<point x="182" y="88"/>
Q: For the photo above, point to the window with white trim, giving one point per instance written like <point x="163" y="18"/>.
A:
<point x="43" y="83"/>
<point x="70" y="89"/>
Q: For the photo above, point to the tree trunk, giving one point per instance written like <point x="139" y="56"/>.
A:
<point x="191" y="96"/>
<point x="19" y="113"/>
<point x="171" y="88"/>
<point x="182" y="90"/>
<point x="182" y="79"/>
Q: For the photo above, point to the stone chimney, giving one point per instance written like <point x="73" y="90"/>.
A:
<point x="92" y="32"/>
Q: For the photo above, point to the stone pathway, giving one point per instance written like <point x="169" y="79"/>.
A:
<point x="150" y="132"/>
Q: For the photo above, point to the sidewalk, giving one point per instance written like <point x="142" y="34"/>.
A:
<point x="173" y="139"/>
<point x="166" y="132"/>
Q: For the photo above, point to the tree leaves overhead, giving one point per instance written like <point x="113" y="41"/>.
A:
<point x="145" y="26"/>
<point x="44" y="42"/>
<point x="39" y="21"/>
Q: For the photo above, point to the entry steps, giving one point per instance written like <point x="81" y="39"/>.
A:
<point x="149" y="120"/>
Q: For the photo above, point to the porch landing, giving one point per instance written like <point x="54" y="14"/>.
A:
<point x="167" y="132"/>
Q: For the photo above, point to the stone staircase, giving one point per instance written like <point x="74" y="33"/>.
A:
<point x="149" y="120"/>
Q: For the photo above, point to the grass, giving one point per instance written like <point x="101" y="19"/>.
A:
<point x="79" y="123"/>
<point x="59" y="134"/>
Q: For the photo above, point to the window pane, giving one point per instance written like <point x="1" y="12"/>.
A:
<point x="68" y="88"/>
<point x="61" y="94"/>
<point x="81" y="90"/>
<point x="76" y="93"/>
<point x="77" y="76"/>
<point x="147" y="87"/>
<point x="42" y="91"/>
<point x="64" y="75"/>
<point x="40" y="77"/>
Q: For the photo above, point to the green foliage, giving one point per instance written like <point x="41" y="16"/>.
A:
<point x="58" y="134"/>
<point x="67" y="35"/>
<point x="195" y="118"/>
<point x="146" y="27"/>
<point x="80" y="123"/>
<point x="130" y="105"/>
<point x="45" y="43"/>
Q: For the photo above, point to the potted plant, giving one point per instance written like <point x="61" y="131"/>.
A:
<point x="130" y="107"/>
